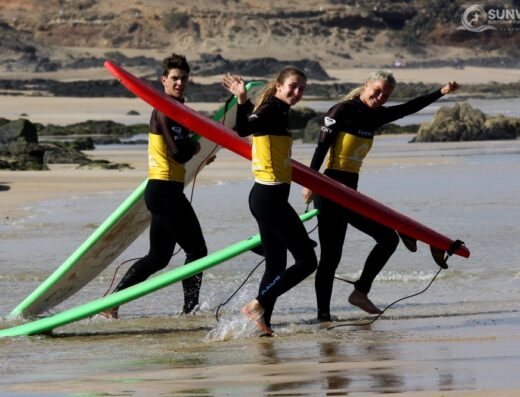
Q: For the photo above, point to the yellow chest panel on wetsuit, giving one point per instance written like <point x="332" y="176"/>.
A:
<point x="160" y="164"/>
<point x="348" y="151"/>
<point x="271" y="158"/>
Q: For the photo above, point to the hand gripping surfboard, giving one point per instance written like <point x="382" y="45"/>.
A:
<point x="409" y="229"/>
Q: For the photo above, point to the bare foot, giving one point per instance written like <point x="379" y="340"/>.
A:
<point x="361" y="300"/>
<point x="253" y="311"/>
<point x="110" y="313"/>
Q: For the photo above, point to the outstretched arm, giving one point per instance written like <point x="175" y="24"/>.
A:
<point x="392" y="113"/>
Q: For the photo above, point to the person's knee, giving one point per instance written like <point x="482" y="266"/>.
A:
<point x="326" y="268"/>
<point x="157" y="262"/>
<point x="389" y="240"/>
<point x="310" y="263"/>
<point x="197" y="253"/>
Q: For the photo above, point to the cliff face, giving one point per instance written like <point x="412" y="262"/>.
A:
<point x="333" y="32"/>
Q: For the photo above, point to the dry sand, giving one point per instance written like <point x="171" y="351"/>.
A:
<point x="468" y="75"/>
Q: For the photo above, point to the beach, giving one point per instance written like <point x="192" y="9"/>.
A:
<point x="457" y="339"/>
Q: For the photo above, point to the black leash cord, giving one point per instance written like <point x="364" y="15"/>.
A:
<point x="249" y="275"/>
<point x="238" y="289"/>
<point x="451" y="250"/>
<point x="386" y="308"/>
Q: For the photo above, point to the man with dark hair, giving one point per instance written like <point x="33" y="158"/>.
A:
<point x="173" y="218"/>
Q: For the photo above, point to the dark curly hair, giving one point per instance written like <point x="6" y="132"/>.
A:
<point x="175" y="61"/>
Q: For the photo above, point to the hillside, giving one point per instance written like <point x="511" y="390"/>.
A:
<point x="55" y="34"/>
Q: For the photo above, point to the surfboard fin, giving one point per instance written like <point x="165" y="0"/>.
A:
<point x="409" y="243"/>
<point x="440" y="256"/>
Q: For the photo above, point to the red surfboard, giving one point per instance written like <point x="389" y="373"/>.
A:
<point x="408" y="229"/>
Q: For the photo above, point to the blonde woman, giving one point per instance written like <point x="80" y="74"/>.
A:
<point x="347" y="134"/>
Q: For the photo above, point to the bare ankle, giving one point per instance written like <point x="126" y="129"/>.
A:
<point x="360" y="299"/>
<point x="255" y="312"/>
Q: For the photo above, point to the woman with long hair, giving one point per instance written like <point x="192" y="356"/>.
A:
<point x="347" y="134"/>
<point x="280" y="227"/>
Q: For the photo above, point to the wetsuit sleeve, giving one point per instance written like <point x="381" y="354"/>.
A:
<point x="328" y="133"/>
<point x="186" y="150"/>
<point x="249" y="122"/>
<point x="181" y="147"/>
<point x="392" y="113"/>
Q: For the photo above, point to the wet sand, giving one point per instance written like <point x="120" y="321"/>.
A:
<point x="460" y="356"/>
<point x="467" y="353"/>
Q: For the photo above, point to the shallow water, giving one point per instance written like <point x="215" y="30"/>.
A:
<point x="458" y="335"/>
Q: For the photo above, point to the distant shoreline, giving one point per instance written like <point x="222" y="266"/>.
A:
<point x="468" y="75"/>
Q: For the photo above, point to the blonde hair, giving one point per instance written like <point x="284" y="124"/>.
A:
<point x="270" y="88"/>
<point x="380" y="75"/>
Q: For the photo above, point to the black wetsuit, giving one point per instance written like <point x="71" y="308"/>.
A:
<point x="173" y="218"/>
<point x="279" y="224"/>
<point x="347" y="134"/>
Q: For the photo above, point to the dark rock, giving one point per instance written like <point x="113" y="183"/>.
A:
<point x="465" y="123"/>
<point x="17" y="130"/>
<point x="94" y="127"/>
<point x="56" y="153"/>
<point x="104" y="164"/>
<point x="210" y="64"/>
<point x="392" y="128"/>
<point x="299" y="116"/>
<point x="312" y="129"/>
<point x="21" y="155"/>
<point x="86" y="143"/>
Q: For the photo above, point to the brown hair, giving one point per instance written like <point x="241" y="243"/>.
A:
<point x="270" y="88"/>
<point x="384" y="75"/>
<point x="174" y="61"/>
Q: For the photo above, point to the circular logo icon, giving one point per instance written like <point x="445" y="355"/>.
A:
<point x="474" y="19"/>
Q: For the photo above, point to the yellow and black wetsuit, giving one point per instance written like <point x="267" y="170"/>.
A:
<point x="347" y="134"/>
<point x="173" y="219"/>
<point x="279" y="225"/>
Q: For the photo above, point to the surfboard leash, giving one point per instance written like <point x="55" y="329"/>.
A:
<point x="238" y="289"/>
<point x="451" y="250"/>
<point x="250" y="274"/>
<point x="115" y="274"/>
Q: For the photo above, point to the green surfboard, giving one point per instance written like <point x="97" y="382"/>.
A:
<point x="138" y="290"/>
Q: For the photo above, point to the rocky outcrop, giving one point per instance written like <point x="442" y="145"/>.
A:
<point x="18" y="130"/>
<point x="311" y="132"/>
<point x="465" y="123"/>
<point x="20" y="150"/>
<point x="210" y="65"/>
<point x="93" y="128"/>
